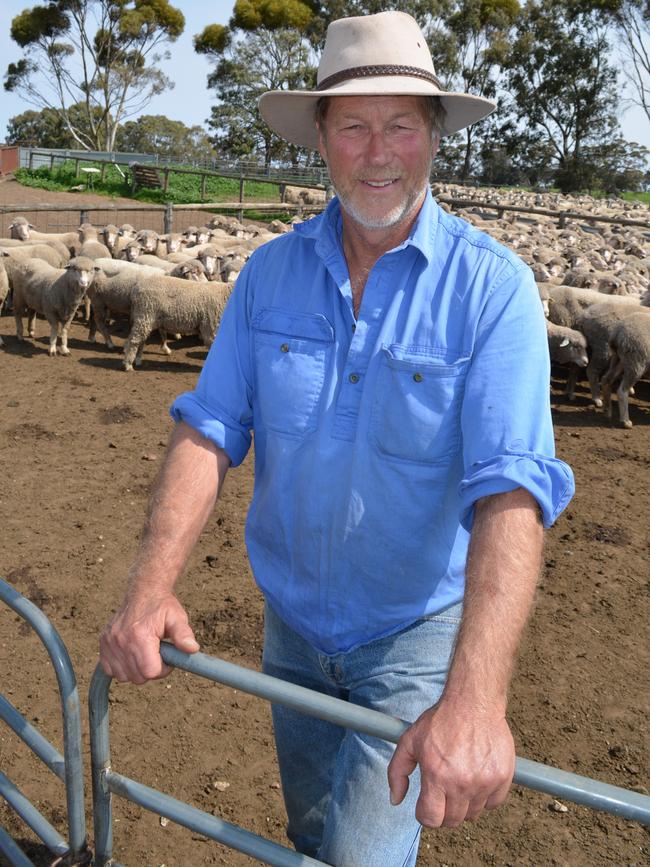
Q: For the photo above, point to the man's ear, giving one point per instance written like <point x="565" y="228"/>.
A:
<point x="435" y="145"/>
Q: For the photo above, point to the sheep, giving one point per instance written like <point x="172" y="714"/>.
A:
<point x="597" y="324"/>
<point x="566" y="345"/>
<point x="59" y="248"/>
<point x="566" y="304"/>
<point x="147" y="239"/>
<point x="55" y="293"/>
<point x="169" y="304"/>
<point x="192" y="270"/>
<point x="4" y="283"/>
<point x="231" y="265"/>
<point x="113" y="294"/>
<point x="155" y="262"/>
<point x="24" y="231"/>
<point x="630" y="346"/>
<point x="116" y="239"/>
<point x="112" y="267"/>
<point x="26" y="252"/>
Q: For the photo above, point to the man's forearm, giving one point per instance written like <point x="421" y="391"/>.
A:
<point x="181" y="503"/>
<point x="501" y="576"/>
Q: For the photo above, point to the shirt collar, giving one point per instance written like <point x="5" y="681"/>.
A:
<point x="327" y="227"/>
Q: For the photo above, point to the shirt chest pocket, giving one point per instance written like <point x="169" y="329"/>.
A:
<point x="416" y="408"/>
<point x="291" y="353"/>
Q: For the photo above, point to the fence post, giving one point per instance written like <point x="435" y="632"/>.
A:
<point x="31" y="159"/>
<point x="203" y="180"/>
<point x="168" y="219"/>
<point x="166" y="180"/>
<point x="241" y="185"/>
<point x="76" y="168"/>
<point x="83" y="217"/>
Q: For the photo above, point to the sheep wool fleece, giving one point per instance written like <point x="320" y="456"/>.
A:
<point x="375" y="436"/>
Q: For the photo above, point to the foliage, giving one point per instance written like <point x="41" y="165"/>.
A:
<point x="632" y="22"/>
<point x="156" y="133"/>
<point x="46" y="128"/>
<point x="98" y="54"/>
<point x="562" y="85"/>
<point x="262" y="60"/>
<point x="183" y="188"/>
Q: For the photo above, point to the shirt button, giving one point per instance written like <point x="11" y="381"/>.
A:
<point x="418" y="377"/>
<point x="284" y="347"/>
<point x="354" y="377"/>
<point x="354" y="327"/>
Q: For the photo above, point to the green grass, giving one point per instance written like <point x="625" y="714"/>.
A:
<point x="183" y="189"/>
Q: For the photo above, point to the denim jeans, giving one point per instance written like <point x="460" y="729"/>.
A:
<point x="333" y="779"/>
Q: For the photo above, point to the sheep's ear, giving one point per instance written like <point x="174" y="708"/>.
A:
<point x="97" y="268"/>
<point x="565" y="342"/>
<point x="29" y="226"/>
<point x="4" y="253"/>
<point x="120" y="232"/>
<point x="67" y="267"/>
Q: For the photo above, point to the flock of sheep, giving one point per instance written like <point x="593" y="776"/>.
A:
<point x="594" y="282"/>
<point x="177" y="283"/>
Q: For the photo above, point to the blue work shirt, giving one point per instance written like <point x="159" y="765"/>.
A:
<point x="374" y="437"/>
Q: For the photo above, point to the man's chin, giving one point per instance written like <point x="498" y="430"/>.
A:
<point x="373" y="219"/>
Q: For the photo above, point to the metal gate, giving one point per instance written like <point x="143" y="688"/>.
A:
<point x="560" y="784"/>
<point x="68" y="767"/>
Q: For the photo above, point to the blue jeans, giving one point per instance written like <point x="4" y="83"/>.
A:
<point x="334" y="779"/>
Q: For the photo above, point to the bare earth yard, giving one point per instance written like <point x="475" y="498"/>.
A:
<point x="80" y="443"/>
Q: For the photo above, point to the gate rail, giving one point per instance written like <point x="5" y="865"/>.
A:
<point x="543" y="778"/>
<point x="69" y="767"/>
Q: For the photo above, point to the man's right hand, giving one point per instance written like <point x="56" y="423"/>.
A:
<point x="130" y="643"/>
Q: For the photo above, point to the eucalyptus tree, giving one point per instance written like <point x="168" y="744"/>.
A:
<point x="102" y="55"/>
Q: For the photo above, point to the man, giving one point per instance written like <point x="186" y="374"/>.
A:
<point x="392" y="361"/>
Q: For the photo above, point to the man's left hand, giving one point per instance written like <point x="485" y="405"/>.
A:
<point x="466" y="759"/>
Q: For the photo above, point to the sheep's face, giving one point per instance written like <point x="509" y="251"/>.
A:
<point x="110" y="235"/>
<point x="147" y="240"/>
<point x="173" y="244"/>
<point x="20" y="229"/>
<point x="131" y="252"/>
<point x="210" y="264"/>
<point x="202" y="236"/>
<point x="82" y="271"/>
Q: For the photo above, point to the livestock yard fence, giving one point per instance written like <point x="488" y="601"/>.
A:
<point x="171" y="217"/>
<point x="107" y="782"/>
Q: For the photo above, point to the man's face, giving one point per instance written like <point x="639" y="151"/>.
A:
<point x="378" y="150"/>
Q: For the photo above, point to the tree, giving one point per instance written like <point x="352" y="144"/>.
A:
<point x="46" y="128"/>
<point x="632" y="21"/>
<point x="100" y="54"/>
<point x="155" y="133"/>
<point x="264" y="48"/>
<point x="562" y="85"/>
<point x="481" y="31"/>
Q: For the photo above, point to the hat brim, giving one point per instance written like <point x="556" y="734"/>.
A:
<point x="290" y="113"/>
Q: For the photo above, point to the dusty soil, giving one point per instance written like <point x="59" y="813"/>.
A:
<point x="80" y="443"/>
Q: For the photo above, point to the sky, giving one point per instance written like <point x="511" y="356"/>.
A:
<point x="190" y="100"/>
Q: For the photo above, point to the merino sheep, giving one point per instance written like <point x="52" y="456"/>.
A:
<point x="24" y="231"/>
<point x="630" y="345"/>
<point x="191" y="270"/>
<point x="148" y="240"/>
<point x="566" y="304"/>
<point x="597" y="323"/>
<point x="566" y="345"/>
<point x="169" y="304"/>
<point x="54" y="293"/>
<point x="4" y="283"/>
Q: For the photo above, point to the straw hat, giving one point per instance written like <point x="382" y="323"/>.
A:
<point x="372" y="55"/>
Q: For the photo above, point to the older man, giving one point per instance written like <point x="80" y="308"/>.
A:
<point x="392" y="362"/>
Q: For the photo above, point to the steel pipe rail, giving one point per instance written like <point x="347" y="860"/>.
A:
<point x="12" y="851"/>
<point x="32" y="817"/>
<point x="76" y="849"/>
<point x="562" y="784"/>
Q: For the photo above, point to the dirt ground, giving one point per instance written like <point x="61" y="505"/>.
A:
<point x="80" y="444"/>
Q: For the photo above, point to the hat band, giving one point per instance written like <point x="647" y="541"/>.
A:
<point x="366" y="71"/>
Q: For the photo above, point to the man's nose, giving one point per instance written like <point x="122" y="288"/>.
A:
<point x="379" y="152"/>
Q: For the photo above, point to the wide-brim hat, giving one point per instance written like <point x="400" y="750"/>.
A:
<point x="371" y="55"/>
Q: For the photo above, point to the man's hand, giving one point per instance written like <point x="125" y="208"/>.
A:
<point x="130" y="643"/>
<point x="467" y="761"/>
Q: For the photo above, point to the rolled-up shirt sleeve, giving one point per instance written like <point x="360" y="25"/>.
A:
<point x="220" y="408"/>
<point x="506" y="417"/>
